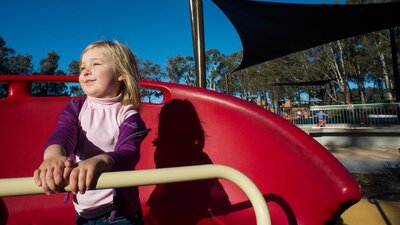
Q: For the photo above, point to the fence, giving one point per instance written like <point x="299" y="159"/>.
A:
<point x="344" y="116"/>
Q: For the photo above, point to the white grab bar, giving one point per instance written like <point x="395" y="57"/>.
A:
<point x="26" y="185"/>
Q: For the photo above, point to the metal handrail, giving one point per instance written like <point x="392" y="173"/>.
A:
<point x="26" y="185"/>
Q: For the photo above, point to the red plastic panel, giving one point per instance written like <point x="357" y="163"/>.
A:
<point x="301" y="181"/>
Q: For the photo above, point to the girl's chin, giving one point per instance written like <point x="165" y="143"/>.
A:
<point x="94" y="96"/>
<point x="91" y="93"/>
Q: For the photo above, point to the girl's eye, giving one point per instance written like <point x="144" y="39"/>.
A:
<point x="82" y="68"/>
<point x="96" y="64"/>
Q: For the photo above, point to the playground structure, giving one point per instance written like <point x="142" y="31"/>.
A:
<point x="300" y="180"/>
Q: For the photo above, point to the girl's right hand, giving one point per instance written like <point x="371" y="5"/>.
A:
<point x="52" y="175"/>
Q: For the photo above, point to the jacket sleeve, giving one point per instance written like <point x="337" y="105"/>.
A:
<point x="126" y="154"/>
<point x="66" y="131"/>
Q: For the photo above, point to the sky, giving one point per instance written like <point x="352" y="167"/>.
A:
<point x="154" y="30"/>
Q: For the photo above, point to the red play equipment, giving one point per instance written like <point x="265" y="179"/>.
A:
<point x="301" y="181"/>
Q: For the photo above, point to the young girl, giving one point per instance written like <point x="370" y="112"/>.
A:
<point x="100" y="133"/>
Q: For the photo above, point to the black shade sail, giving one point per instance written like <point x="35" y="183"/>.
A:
<point x="270" y="30"/>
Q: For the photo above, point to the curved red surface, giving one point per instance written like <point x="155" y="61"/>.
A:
<point x="301" y="181"/>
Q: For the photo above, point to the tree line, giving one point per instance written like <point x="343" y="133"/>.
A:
<point x="359" y="70"/>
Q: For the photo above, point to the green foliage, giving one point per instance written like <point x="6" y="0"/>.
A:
<point x="73" y="68"/>
<point x="5" y="53"/>
<point x="75" y="90"/>
<point x="49" y="89"/>
<point x="14" y="64"/>
<point x="178" y="67"/>
<point x="49" y="65"/>
<point x="3" y="91"/>
<point x="149" y="71"/>
<point x="214" y="62"/>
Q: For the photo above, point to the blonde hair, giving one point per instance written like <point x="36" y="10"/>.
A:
<point x="124" y="64"/>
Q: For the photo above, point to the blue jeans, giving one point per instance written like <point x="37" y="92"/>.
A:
<point x="133" y="219"/>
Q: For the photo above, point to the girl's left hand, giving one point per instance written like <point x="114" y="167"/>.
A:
<point x="83" y="176"/>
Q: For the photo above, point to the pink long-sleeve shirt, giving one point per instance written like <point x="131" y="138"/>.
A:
<point x="102" y="126"/>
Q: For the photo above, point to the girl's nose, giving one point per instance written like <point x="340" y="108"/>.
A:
<point x="86" y="72"/>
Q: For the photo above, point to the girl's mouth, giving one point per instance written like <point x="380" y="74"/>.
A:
<point x="89" y="81"/>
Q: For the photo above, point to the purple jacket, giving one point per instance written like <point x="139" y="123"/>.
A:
<point x="126" y="154"/>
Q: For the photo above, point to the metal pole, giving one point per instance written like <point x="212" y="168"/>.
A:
<point x="26" y="186"/>
<point x="196" y="17"/>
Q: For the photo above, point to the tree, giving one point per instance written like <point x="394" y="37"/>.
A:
<point x="75" y="90"/>
<point x="276" y="71"/>
<point x="3" y="91"/>
<point x="49" y="65"/>
<point x="73" y="68"/>
<point x="334" y="65"/>
<point x="214" y="66"/>
<point x="190" y="76"/>
<point x="5" y="53"/>
<point x="20" y="64"/>
<point x="294" y="68"/>
<point x="230" y="84"/>
<point x="379" y="44"/>
<point x="360" y="61"/>
<point x="177" y="68"/>
<point x="149" y="71"/>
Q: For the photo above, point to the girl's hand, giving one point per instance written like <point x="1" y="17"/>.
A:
<point x="84" y="176"/>
<point x="52" y="174"/>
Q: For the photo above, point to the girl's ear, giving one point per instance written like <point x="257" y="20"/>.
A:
<point x="121" y="78"/>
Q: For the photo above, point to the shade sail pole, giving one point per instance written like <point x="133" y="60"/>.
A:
<point x="196" y="18"/>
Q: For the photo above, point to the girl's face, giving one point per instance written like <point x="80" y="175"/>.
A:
<point x="97" y="77"/>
